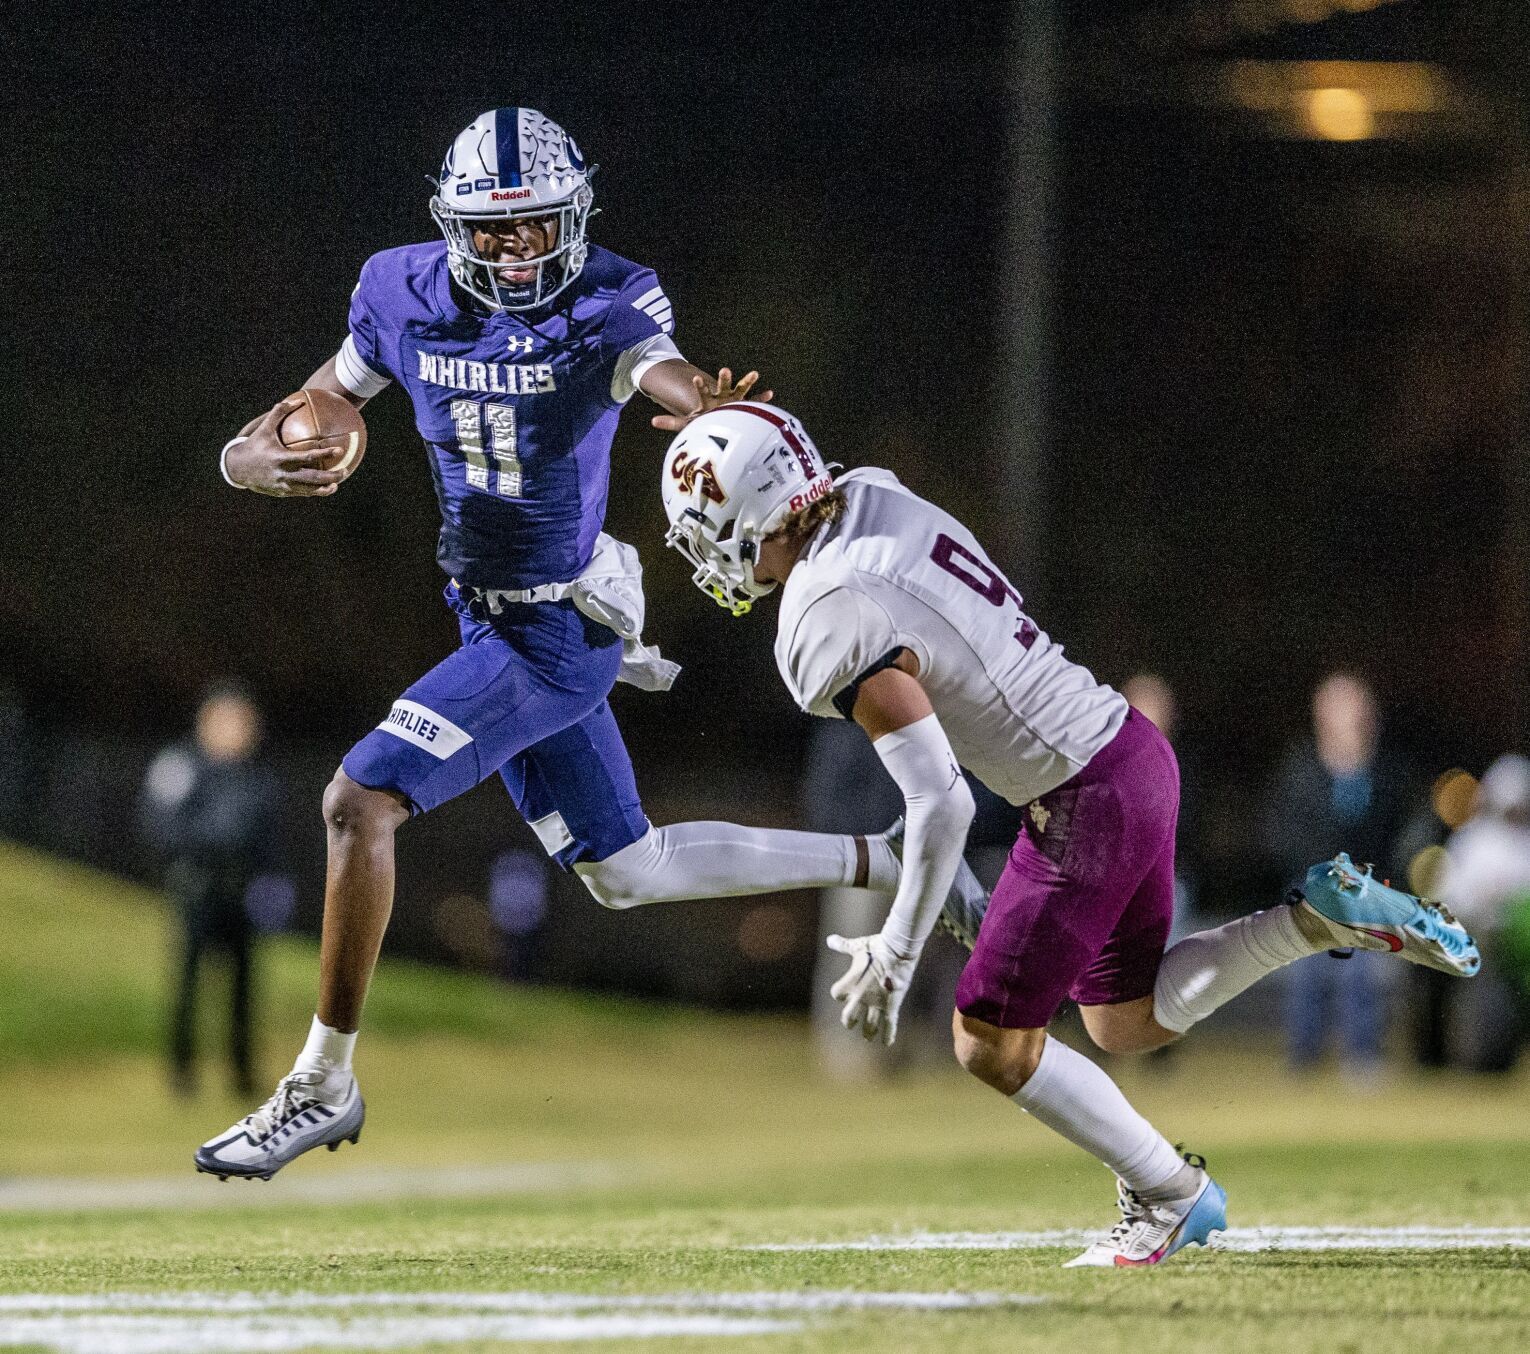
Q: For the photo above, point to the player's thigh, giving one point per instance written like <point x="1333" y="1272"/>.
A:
<point x="1115" y="992"/>
<point x="1126" y="1027"/>
<point x="577" y="791"/>
<point x="1055" y="905"/>
<point x="476" y="710"/>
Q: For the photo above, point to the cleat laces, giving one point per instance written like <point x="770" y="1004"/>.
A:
<point x="1439" y="923"/>
<point x="1137" y="1215"/>
<point x="1137" y="1212"/>
<point x="293" y="1095"/>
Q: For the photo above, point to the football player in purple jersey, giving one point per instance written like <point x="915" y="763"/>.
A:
<point x="518" y="343"/>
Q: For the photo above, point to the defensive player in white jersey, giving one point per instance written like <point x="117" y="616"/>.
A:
<point x="893" y="615"/>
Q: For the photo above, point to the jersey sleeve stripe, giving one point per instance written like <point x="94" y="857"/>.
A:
<point x="652" y="294"/>
<point x="355" y="375"/>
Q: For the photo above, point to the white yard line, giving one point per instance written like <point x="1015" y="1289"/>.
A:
<point x="1234" y="1239"/>
<point x="806" y="1300"/>
<point x="268" y="1323"/>
<point x="189" y="1190"/>
<point x="267" y="1335"/>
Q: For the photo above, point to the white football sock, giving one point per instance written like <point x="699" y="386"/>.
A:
<point x="724" y="860"/>
<point x="1210" y="968"/>
<point x="1074" y="1097"/>
<point x="327" y="1052"/>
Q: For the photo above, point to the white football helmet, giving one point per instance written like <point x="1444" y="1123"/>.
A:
<point x="731" y="477"/>
<point x="512" y="164"/>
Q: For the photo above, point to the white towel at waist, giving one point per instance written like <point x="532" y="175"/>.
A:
<point x="610" y="591"/>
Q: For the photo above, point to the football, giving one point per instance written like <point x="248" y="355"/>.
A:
<point x="325" y="415"/>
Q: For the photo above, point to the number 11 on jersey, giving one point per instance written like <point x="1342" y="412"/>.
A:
<point x="494" y="424"/>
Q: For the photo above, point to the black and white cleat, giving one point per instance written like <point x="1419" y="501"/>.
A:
<point x="297" y="1119"/>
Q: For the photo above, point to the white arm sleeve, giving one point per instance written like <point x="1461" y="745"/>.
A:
<point x="355" y="375"/>
<point x="938" y="810"/>
<point x="636" y="360"/>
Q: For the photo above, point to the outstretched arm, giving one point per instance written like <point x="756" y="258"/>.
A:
<point x="686" y="391"/>
<point x="893" y="709"/>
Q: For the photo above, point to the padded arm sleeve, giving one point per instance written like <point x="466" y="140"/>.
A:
<point x="355" y="375"/>
<point x="938" y="810"/>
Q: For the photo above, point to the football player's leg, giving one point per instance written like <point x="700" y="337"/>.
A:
<point x="1042" y="932"/>
<point x="1067" y="890"/>
<point x="1115" y="993"/>
<point x="576" y="789"/>
<point x="449" y="730"/>
<point x="1339" y="906"/>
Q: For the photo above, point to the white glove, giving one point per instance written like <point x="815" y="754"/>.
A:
<point x="875" y="986"/>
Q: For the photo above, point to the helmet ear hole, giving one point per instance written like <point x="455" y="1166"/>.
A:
<point x="725" y="532"/>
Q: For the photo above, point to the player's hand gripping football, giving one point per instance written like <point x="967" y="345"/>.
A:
<point x="874" y="987"/>
<point x="262" y="462"/>
<point x="710" y="394"/>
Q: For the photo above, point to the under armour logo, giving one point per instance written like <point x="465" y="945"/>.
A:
<point x="1040" y="815"/>
<point x="519" y="345"/>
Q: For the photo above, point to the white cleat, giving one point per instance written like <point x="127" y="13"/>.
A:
<point x="1149" y="1233"/>
<point x="962" y="913"/>
<point x="298" y="1118"/>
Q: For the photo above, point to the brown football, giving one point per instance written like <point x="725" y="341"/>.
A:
<point x="322" y="415"/>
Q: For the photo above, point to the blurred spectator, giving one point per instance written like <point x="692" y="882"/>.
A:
<point x="1150" y="694"/>
<point x="1486" y="883"/>
<point x="1338" y="789"/>
<point x="212" y="813"/>
<point x="846" y="789"/>
<point x="518" y="888"/>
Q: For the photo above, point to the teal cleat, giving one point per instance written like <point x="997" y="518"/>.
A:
<point x="1342" y="905"/>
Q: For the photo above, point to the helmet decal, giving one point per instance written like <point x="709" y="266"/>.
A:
<point x="697" y="476"/>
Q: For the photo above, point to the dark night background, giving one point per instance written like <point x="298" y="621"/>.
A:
<point x="1285" y="425"/>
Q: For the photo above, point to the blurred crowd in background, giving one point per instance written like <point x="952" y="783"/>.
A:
<point x="1208" y="316"/>
<point x="217" y="828"/>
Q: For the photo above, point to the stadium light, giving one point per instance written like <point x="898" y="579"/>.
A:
<point x="1338" y="114"/>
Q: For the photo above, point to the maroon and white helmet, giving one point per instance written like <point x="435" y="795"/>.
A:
<point x="731" y="477"/>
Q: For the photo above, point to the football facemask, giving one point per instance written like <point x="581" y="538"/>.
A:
<point x="512" y="165"/>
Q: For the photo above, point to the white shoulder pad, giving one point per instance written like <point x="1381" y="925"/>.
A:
<point x="832" y="640"/>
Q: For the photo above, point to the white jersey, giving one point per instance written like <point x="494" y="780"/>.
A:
<point x="898" y="573"/>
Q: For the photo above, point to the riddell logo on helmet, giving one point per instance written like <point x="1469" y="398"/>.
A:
<point x="812" y="494"/>
<point x="510" y="195"/>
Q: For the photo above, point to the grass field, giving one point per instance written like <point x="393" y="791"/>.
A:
<point x="544" y="1171"/>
